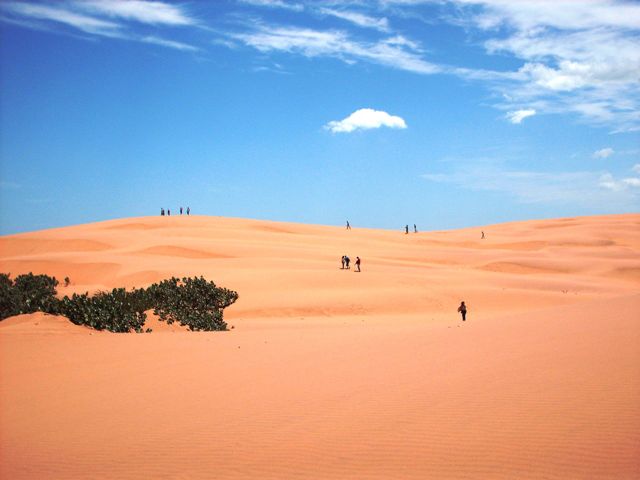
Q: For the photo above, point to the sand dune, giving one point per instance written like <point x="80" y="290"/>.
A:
<point x="332" y="373"/>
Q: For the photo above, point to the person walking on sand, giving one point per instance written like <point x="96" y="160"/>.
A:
<point x="180" y="210"/>
<point x="415" y="229"/>
<point x="346" y="261"/>
<point x="188" y="210"/>
<point x="463" y="311"/>
<point x="168" y="212"/>
<point x="348" y="226"/>
<point x="357" y="264"/>
<point x="482" y="238"/>
<point x="406" y="229"/>
<point x="343" y="262"/>
<point x="162" y="212"/>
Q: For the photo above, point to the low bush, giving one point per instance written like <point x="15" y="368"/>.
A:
<point x="27" y="294"/>
<point x="192" y="302"/>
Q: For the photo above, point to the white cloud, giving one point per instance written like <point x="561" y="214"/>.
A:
<point x="275" y="4"/>
<point x="169" y="43"/>
<point x="603" y="153"/>
<point x="608" y="181"/>
<point x="82" y="22"/>
<point x="632" y="182"/>
<point x="579" y="57"/>
<point x="152" y="12"/>
<point x="359" y="19"/>
<point x="365" y="119"/>
<point x="519" y="115"/>
<point x="106" y="18"/>
<point x="584" y="189"/>
<point x="336" y="44"/>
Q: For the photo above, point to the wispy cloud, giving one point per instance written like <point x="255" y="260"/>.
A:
<point x="365" y="119"/>
<point x="105" y="18"/>
<point x="609" y="182"/>
<point x="169" y="43"/>
<point x="298" y="7"/>
<point x="583" y="188"/>
<point x="151" y="12"/>
<point x="359" y="19"/>
<point x="579" y="57"/>
<point x="519" y="115"/>
<point x="603" y="153"/>
<point x="336" y="44"/>
<point x="87" y="24"/>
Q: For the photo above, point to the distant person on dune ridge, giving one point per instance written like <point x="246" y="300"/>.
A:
<point x="162" y="212"/>
<point x="357" y="264"/>
<point x="168" y="212"/>
<point x="348" y="226"/>
<point x="180" y="210"/>
<point x="482" y="237"/>
<point x="463" y="311"/>
<point x="347" y="260"/>
<point x="188" y="210"/>
<point x="406" y="229"/>
<point x="415" y="229"/>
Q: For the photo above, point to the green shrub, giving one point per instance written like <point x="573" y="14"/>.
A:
<point x="114" y="311"/>
<point x="27" y="294"/>
<point x="193" y="302"/>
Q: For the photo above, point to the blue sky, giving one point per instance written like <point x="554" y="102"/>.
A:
<point x="441" y="113"/>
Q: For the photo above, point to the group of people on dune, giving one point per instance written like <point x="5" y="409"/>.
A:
<point x="346" y="261"/>
<point x="168" y="212"/>
<point x="462" y="309"/>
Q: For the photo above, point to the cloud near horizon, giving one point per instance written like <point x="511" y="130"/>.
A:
<point x="365" y="119"/>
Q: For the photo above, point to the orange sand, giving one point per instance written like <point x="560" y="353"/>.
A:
<point x="332" y="374"/>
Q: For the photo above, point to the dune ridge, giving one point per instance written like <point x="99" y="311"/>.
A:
<point x="329" y="373"/>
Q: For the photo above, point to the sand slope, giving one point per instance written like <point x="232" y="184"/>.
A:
<point x="331" y="373"/>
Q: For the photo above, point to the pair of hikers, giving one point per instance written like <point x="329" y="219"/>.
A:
<point x="346" y="261"/>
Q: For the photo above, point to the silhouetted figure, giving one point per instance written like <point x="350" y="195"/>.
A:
<point x="357" y="264"/>
<point x="348" y="226"/>
<point x="343" y="262"/>
<point x="482" y="236"/>
<point x="406" y="229"/>
<point x="188" y="210"/>
<point x="180" y="210"/>
<point x="463" y="311"/>
<point x="162" y="212"/>
<point x="168" y="212"/>
<point x="415" y="229"/>
<point x="347" y="260"/>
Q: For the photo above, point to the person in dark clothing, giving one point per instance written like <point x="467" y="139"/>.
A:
<point x="348" y="226"/>
<point x="162" y="212"/>
<point x="463" y="311"/>
<point x="346" y="261"/>
<point x="343" y="262"/>
<point x="357" y="264"/>
<point x="482" y="236"/>
<point x="188" y="210"/>
<point x="406" y="229"/>
<point x="415" y="229"/>
<point x="180" y="210"/>
<point x="168" y="212"/>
